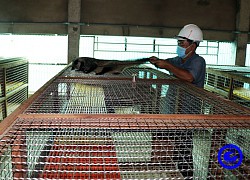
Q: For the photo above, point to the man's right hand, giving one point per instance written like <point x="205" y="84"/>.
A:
<point x="153" y="59"/>
<point x="159" y="63"/>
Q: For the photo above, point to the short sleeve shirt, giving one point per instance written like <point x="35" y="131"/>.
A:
<point x="196" y="65"/>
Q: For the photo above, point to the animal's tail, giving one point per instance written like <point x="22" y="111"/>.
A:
<point x="144" y="59"/>
<point x="138" y="61"/>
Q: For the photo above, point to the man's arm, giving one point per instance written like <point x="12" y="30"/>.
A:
<point x="178" y="72"/>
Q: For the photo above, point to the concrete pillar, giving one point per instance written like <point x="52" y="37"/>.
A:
<point x="242" y="25"/>
<point x="74" y="16"/>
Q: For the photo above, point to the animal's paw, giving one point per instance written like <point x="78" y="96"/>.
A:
<point x="116" y="72"/>
<point x="99" y="73"/>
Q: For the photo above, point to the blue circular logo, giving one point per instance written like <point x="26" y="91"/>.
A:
<point x="230" y="156"/>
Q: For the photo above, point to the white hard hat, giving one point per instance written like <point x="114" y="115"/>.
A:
<point x="191" y="32"/>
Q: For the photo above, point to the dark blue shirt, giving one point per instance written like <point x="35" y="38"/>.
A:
<point x="196" y="65"/>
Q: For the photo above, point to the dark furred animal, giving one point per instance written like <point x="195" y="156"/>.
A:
<point x="100" y="66"/>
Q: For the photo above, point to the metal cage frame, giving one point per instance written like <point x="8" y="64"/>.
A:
<point x="124" y="130"/>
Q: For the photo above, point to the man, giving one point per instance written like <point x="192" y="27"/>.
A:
<point x="188" y="65"/>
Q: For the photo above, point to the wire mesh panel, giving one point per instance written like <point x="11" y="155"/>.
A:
<point x="122" y="148"/>
<point x="121" y="127"/>
<point x="123" y="96"/>
<point x="140" y="72"/>
<point x="14" y="84"/>
<point x="16" y="76"/>
<point x="241" y="90"/>
<point x="16" y="100"/>
<point x="231" y="82"/>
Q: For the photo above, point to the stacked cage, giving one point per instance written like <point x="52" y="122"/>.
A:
<point x="142" y="124"/>
<point x="231" y="82"/>
<point x="14" y="84"/>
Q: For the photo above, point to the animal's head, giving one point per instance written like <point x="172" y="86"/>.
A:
<point x="84" y="64"/>
<point x="75" y="65"/>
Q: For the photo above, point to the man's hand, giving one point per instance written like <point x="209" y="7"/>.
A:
<point x="178" y="72"/>
<point x="159" y="63"/>
<point x="152" y="59"/>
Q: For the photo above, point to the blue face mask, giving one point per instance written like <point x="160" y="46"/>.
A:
<point x="181" y="52"/>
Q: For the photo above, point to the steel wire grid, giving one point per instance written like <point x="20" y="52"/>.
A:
<point x="16" y="76"/>
<point x="141" y="72"/>
<point x="14" y="84"/>
<point x="231" y="82"/>
<point x="122" y="148"/>
<point x="97" y="128"/>
<point x="74" y="96"/>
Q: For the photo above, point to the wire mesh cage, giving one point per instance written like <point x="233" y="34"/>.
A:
<point x="14" y="84"/>
<point x="73" y="96"/>
<point x="121" y="148"/>
<point x="104" y="127"/>
<point x="139" y="72"/>
<point x="231" y="82"/>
